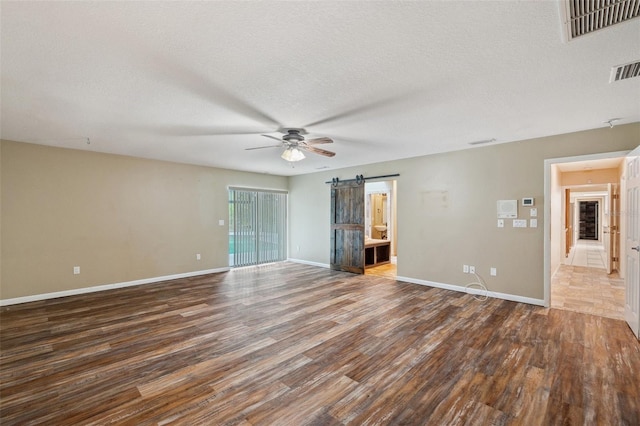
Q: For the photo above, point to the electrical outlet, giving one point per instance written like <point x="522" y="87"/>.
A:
<point x="76" y="270"/>
<point x="493" y="272"/>
<point x="472" y="269"/>
<point x="221" y="222"/>
<point x="465" y="269"/>
<point x="198" y="256"/>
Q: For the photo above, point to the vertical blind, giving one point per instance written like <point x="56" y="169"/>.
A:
<point x="257" y="226"/>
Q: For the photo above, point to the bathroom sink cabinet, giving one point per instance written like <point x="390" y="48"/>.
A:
<point x="376" y="252"/>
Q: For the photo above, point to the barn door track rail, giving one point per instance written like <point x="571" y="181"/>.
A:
<point x="359" y="179"/>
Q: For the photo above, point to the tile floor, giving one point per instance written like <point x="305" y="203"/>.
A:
<point x="388" y="270"/>
<point x="582" y="283"/>
<point x="588" y="253"/>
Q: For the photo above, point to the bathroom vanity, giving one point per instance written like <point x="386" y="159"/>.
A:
<point x="376" y="252"/>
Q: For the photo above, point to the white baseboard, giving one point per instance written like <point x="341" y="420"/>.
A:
<point x="104" y="287"/>
<point x="307" y="262"/>
<point x="493" y="294"/>
<point x="45" y="296"/>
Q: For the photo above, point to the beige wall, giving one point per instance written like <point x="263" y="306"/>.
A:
<point x="436" y="239"/>
<point x="0" y="219"/>
<point x="119" y="218"/>
<point x="122" y="219"/>
<point x="591" y="177"/>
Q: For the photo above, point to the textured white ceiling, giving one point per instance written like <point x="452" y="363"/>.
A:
<point x="198" y="82"/>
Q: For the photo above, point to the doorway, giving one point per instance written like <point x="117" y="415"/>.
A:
<point x="364" y="226"/>
<point x="257" y="226"/>
<point x="381" y="229"/>
<point x="582" y="274"/>
<point x="588" y="219"/>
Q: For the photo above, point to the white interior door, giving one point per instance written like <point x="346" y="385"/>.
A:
<point x="632" y="241"/>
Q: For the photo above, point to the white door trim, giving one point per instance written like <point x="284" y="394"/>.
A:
<point x="547" y="209"/>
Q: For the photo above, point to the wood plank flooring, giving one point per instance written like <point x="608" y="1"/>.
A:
<point x="291" y="344"/>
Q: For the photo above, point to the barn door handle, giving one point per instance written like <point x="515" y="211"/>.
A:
<point x="637" y="248"/>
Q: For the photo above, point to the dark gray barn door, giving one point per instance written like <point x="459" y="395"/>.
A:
<point x="347" y="227"/>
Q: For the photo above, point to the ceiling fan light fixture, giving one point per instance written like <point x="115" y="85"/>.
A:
<point x="292" y="154"/>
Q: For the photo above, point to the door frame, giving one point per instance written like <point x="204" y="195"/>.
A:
<point x="631" y="286"/>
<point x="547" y="209"/>
<point x="597" y="223"/>
<point x="600" y="199"/>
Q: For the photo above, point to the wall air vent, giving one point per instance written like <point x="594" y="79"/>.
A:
<point x="622" y="72"/>
<point x="582" y="17"/>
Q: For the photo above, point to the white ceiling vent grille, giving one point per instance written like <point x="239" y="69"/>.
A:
<point x="622" y="72"/>
<point x="586" y="16"/>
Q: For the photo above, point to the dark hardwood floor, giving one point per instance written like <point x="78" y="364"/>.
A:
<point x="292" y="344"/>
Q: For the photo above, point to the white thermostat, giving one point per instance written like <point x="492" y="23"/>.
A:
<point x="527" y="202"/>
<point x="507" y="209"/>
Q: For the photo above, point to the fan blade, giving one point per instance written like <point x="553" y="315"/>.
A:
<point x="317" y="150"/>
<point x="363" y="109"/>
<point x="262" y="147"/>
<point x="188" y="130"/>
<point x="200" y="84"/>
<point x="273" y="137"/>
<point x="318" y="141"/>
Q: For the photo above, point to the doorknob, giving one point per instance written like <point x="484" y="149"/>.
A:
<point x="637" y="248"/>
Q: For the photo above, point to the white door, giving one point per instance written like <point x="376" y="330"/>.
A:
<point x="632" y="241"/>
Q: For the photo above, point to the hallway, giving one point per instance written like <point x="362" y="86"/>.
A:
<point x="581" y="284"/>
<point x="587" y="253"/>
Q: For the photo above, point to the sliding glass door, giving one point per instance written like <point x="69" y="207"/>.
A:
<point x="257" y="226"/>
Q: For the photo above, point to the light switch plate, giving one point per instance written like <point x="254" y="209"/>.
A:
<point x="533" y="223"/>
<point x="221" y="222"/>
<point x="533" y="212"/>
<point x="500" y="223"/>
<point x="519" y="223"/>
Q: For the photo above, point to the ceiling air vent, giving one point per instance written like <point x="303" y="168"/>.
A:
<point x="622" y="72"/>
<point x="586" y="16"/>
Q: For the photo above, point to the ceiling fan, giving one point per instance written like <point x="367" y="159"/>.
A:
<point x="294" y="143"/>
